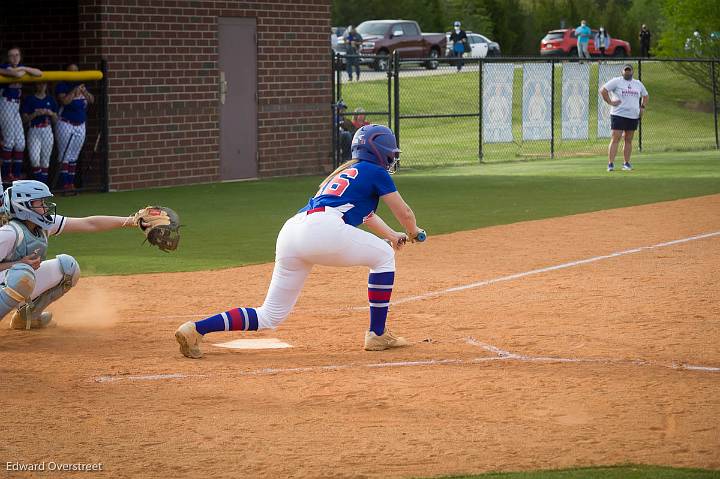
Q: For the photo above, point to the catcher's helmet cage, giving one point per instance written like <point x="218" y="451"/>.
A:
<point x="376" y="144"/>
<point x="17" y="202"/>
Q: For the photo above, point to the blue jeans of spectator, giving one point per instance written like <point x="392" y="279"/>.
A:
<point x="345" y="145"/>
<point x="353" y="60"/>
<point x="459" y="63"/>
<point x="582" y="48"/>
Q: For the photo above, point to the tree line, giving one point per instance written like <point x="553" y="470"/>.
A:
<point x="519" y="25"/>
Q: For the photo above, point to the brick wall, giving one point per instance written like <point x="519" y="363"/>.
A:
<point x="163" y="96"/>
<point x="162" y="58"/>
<point x="45" y="30"/>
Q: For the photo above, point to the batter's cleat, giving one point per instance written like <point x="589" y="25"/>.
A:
<point x="611" y="166"/>
<point x="189" y="340"/>
<point x="627" y="166"/>
<point x="18" y="321"/>
<point x="387" y="340"/>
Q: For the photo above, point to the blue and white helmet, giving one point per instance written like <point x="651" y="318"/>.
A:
<point x="17" y="202"/>
<point x="376" y="144"/>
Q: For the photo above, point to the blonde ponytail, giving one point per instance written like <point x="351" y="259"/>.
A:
<point x="340" y="168"/>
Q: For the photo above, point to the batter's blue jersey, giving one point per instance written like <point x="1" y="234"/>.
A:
<point x="10" y="93"/>
<point x="32" y="103"/>
<point x="74" y="112"/>
<point x="355" y="191"/>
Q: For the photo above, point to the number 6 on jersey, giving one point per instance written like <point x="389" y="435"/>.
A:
<point x="339" y="184"/>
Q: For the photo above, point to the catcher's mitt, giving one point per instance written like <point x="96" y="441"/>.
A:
<point x="161" y="226"/>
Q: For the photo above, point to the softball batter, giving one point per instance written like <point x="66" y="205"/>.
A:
<point x="325" y="232"/>
<point x="13" y="134"/>
<point x="73" y="99"/>
<point x="40" y="112"/>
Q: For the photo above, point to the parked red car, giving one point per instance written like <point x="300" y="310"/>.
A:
<point x="564" y="43"/>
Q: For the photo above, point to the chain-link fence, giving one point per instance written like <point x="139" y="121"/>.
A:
<point x="507" y="109"/>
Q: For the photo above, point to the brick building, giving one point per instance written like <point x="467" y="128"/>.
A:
<point x="198" y="90"/>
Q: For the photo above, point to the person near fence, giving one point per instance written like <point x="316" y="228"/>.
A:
<point x="11" y="127"/>
<point x="325" y="232"/>
<point x="628" y="99"/>
<point x="358" y="119"/>
<point x="73" y="99"/>
<point x="644" y="37"/>
<point x="353" y="40"/>
<point x="40" y="113"/>
<point x="583" y="34"/>
<point x="602" y="41"/>
<point x="460" y="44"/>
<point x="344" y="127"/>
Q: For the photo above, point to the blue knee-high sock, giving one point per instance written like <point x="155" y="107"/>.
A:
<point x="17" y="166"/>
<point x="238" y="319"/>
<point x="379" y="290"/>
<point x="6" y="163"/>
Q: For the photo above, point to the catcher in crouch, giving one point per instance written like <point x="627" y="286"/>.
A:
<point x="29" y="282"/>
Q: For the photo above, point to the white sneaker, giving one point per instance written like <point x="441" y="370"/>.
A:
<point x="189" y="340"/>
<point x="18" y="322"/>
<point x="387" y="340"/>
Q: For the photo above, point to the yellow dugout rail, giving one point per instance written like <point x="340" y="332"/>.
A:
<point x="53" y="76"/>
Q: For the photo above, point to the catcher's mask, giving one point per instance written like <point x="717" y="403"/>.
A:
<point x="18" y="199"/>
<point x="376" y="144"/>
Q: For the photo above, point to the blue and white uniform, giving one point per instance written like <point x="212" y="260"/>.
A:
<point x="325" y="232"/>
<point x="355" y="192"/>
<point x="40" y="136"/>
<point x="71" y="131"/>
<point x="13" y="134"/>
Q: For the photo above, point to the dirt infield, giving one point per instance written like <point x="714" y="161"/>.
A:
<point x="610" y="360"/>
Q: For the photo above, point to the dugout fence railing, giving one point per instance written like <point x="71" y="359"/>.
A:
<point x="511" y="109"/>
<point x="91" y="169"/>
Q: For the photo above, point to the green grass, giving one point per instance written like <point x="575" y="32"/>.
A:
<point x="611" y="472"/>
<point x="230" y="224"/>
<point x="679" y="117"/>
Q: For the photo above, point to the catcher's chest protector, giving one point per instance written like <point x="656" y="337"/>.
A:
<point x="26" y="242"/>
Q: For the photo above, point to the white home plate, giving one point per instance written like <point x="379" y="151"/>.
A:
<point x="265" y="343"/>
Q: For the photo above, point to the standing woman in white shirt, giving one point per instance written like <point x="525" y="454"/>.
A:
<point x="628" y="99"/>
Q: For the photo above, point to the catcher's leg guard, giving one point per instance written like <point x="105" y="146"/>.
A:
<point x="32" y="312"/>
<point x="17" y="288"/>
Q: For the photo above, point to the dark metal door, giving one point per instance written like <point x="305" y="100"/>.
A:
<point x="237" y="84"/>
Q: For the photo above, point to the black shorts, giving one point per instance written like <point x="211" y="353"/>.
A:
<point x="623" y="124"/>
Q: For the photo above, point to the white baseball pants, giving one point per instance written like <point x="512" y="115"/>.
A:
<point x="40" y="145"/>
<point x="13" y="135"/>
<point x="320" y="238"/>
<point x="70" y="141"/>
<point x="47" y="276"/>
